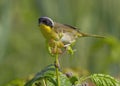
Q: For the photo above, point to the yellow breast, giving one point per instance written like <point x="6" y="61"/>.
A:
<point x="45" y="28"/>
<point x="48" y="32"/>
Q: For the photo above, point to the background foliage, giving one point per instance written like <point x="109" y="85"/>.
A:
<point x="22" y="47"/>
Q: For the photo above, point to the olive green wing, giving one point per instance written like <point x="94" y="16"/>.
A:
<point x="75" y="31"/>
<point x="65" y="28"/>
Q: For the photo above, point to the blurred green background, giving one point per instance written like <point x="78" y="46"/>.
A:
<point x="22" y="47"/>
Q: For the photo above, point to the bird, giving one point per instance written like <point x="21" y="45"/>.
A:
<point x="60" y="35"/>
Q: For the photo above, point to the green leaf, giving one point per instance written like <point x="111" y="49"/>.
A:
<point x="46" y="73"/>
<point x="104" y="80"/>
<point x="64" y="81"/>
<point x="73" y="79"/>
<point x="48" y="77"/>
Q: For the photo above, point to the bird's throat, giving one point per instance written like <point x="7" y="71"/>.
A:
<point x="48" y="32"/>
<point x="45" y="28"/>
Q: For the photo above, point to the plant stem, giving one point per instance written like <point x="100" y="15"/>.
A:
<point x="57" y="69"/>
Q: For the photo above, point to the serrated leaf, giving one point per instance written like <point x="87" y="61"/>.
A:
<point x="104" y="80"/>
<point x="49" y="75"/>
<point x="46" y="73"/>
<point x="64" y="81"/>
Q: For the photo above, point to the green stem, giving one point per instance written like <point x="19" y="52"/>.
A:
<point x="57" y="69"/>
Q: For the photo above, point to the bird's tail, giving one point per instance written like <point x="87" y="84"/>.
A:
<point x="80" y="34"/>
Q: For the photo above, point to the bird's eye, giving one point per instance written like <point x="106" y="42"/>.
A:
<point x="45" y="22"/>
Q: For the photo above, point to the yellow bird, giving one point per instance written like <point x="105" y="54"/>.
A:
<point x="60" y="35"/>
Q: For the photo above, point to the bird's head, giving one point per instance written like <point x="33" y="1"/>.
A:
<point x="46" y="21"/>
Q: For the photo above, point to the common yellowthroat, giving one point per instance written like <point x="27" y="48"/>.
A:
<point x="61" y="34"/>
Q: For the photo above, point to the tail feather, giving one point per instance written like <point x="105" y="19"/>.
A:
<point x="89" y="35"/>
